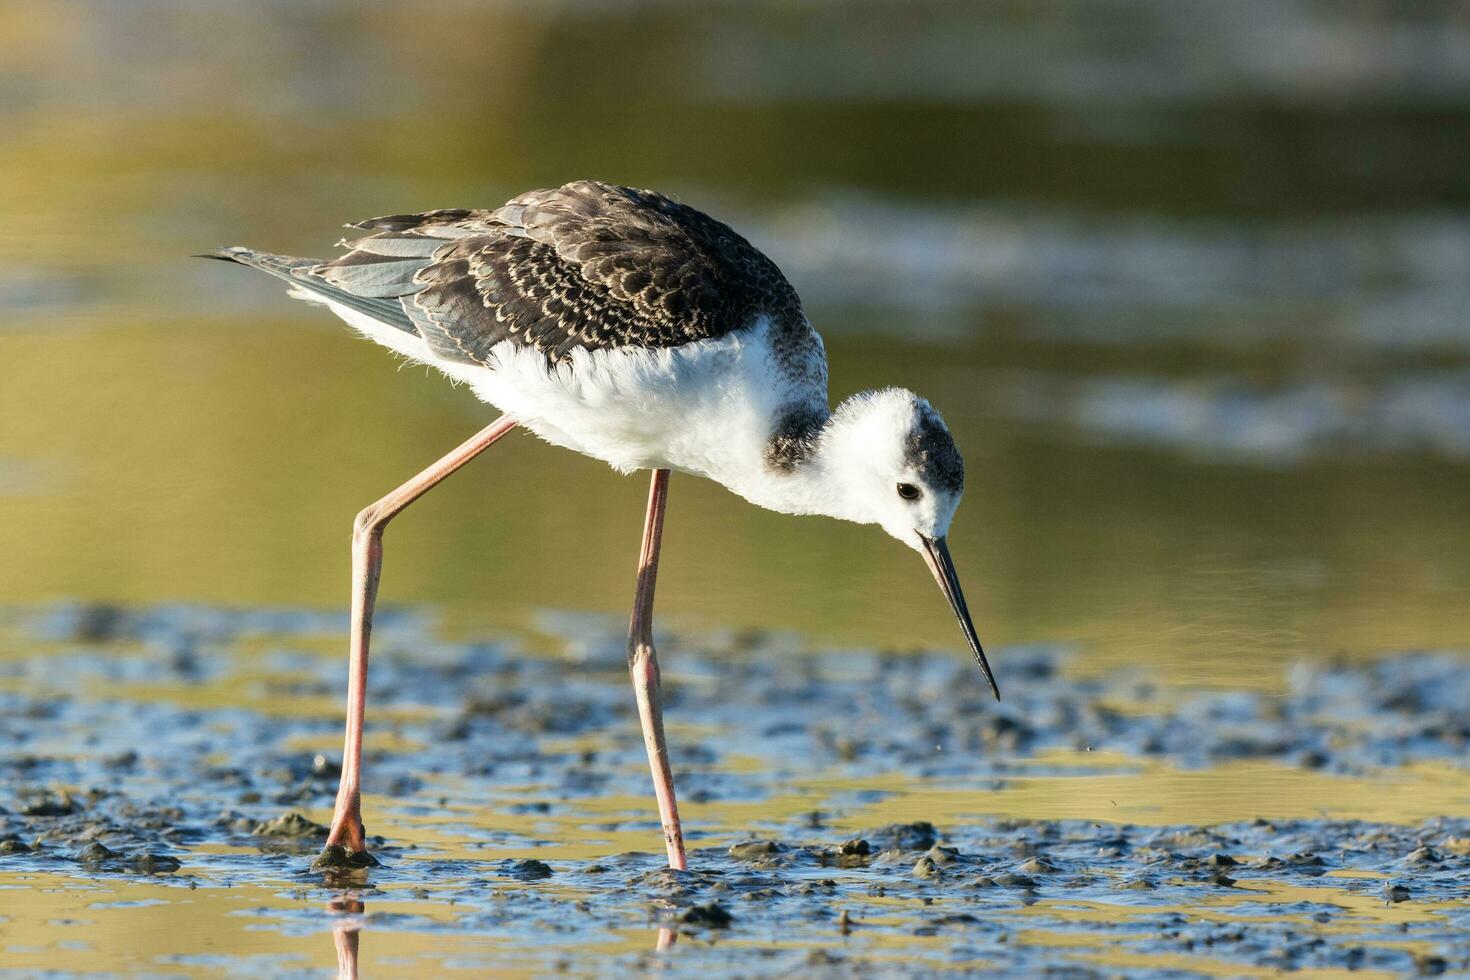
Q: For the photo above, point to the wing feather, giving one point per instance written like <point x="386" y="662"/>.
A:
<point x="365" y="273"/>
<point x="587" y="265"/>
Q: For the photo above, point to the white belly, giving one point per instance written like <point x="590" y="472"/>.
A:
<point x="704" y="408"/>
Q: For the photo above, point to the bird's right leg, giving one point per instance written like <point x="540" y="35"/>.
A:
<point x="643" y="666"/>
<point x="347" y="841"/>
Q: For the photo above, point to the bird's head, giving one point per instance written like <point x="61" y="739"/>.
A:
<point x="897" y="466"/>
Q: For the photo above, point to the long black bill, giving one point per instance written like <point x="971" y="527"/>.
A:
<point x="936" y="554"/>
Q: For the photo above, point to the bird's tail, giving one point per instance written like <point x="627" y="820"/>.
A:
<point x="314" y="289"/>
<point x="281" y="266"/>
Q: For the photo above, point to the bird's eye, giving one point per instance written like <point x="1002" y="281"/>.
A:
<point x="908" y="491"/>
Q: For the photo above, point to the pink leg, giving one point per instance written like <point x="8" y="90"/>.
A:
<point x="345" y="932"/>
<point x="643" y="665"/>
<point x="345" y="940"/>
<point x="347" y="842"/>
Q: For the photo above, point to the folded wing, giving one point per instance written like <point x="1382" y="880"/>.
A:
<point x="587" y="265"/>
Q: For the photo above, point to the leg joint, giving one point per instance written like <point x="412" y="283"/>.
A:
<point x="370" y="521"/>
<point x="642" y="660"/>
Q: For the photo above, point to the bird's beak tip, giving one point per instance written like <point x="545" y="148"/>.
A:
<point x="936" y="555"/>
<point x="989" y="677"/>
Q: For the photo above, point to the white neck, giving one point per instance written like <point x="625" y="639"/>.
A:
<point x="817" y="482"/>
<point x="847" y="464"/>
<point x="807" y="489"/>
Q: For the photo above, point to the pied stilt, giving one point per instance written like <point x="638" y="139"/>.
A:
<point x="641" y="332"/>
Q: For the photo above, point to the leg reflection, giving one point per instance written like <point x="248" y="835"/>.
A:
<point x="345" y="934"/>
<point x="666" y="939"/>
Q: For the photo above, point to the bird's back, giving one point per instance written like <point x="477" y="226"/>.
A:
<point x="587" y="265"/>
<point x="586" y="297"/>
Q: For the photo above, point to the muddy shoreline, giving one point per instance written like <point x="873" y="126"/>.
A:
<point x="161" y="753"/>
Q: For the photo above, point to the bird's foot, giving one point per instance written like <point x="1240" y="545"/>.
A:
<point x="346" y="848"/>
<point x="338" y="858"/>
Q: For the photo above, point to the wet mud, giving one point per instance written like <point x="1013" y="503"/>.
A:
<point x="847" y="812"/>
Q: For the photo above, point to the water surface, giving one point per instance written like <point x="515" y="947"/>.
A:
<point x="1187" y="280"/>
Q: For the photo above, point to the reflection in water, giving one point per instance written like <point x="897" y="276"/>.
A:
<point x="1188" y="284"/>
<point x="345" y="938"/>
<point x="349" y="911"/>
<point x="346" y="933"/>
<point x="522" y="840"/>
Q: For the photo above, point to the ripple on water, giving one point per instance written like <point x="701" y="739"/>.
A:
<point x="844" y="810"/>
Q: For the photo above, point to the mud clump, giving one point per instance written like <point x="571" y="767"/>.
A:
<point x="800" y="879"/>
<point x="755" y="850"/>
<point x="154" y="864"/>
<point x="96" y="854"/>
<point x="918" y="836"/>
<point x="852" y="853"/>
<point x="528" y="870"/>
<point x="292" y="824"/>
<point x="1010" y="879"/>
<point x="41" y="804"/>
<point x="711" y="915"/>
<point x="337" y="858"/>
<point x="926" y="868"/>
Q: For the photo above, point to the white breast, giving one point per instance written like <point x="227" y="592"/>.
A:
<point x="706" y="408"/>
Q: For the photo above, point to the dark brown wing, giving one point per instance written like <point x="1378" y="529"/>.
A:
<point x="587" y="265"/>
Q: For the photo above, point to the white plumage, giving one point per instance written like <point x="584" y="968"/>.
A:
<point x="706" y="409"/>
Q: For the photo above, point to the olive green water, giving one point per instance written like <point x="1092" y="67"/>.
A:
<point x="1190" y="295"/>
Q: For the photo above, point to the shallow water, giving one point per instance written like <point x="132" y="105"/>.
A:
<point x="1186" y="279"/>
<point x="1207" y="361"/>
<point x="844" y="810"/>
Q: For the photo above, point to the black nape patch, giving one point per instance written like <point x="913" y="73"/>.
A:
<point x="794" y="440"/>
<point x="930" y="449"/>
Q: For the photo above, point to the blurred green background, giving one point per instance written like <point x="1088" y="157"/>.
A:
<point x="1187" y="279"/>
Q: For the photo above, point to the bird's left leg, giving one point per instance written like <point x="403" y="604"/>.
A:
<point x="347" y="841"/>
<point x="643" y="666"/>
